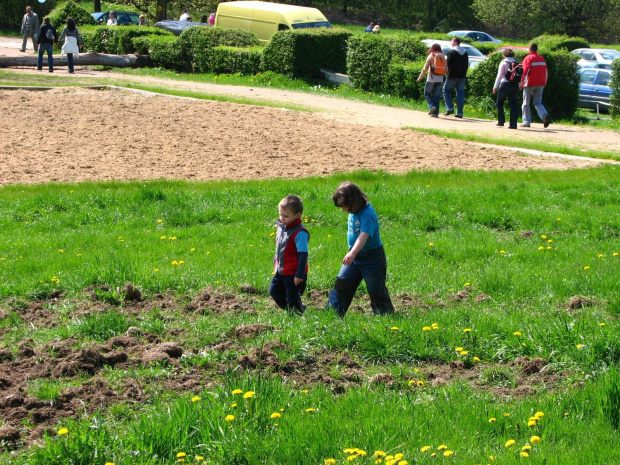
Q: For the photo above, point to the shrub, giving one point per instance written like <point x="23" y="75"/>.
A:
<point x="368" y="60"/>
<point x="165" y="52"/>
<point x="406" y="47"/>
<point x="234" y="60"/>
<point x="304" y="52"/>
<point x="485" y="47"/>
<point x="401" y="80"/>
<point x="553" y="42"/>
<point x="12" y="12"/>
<point x="116" y="40"/>
<point x="59" y="16"/>
<point x="197" y="43"/>
<point x="615" y="88"/>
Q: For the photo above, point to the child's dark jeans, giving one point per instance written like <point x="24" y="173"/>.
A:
<point x="286" y="295"/>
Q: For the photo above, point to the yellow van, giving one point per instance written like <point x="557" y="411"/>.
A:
<point x="265" y="19"/>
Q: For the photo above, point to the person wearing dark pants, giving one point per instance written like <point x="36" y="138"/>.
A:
<point x="366" y="257"/>
<point x="46" y="40"/>
<point x="458" y="64"/>
<point x="505" y="89"/>
<point x="73" y="42"/>
<point x="291" y="259"/>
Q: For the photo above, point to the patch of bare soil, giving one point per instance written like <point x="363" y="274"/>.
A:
<point x="91" y="135"/>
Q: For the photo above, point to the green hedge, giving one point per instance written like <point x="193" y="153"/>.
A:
<point x="615" y="88"/>
<point x="197" y="44"/>
<point x="235" y="60"/>
<point x="368" y="60"/>
<point x="165" y="51"/>
<point x="304" y="52"/>
<point x="405" y="47"/>
<point x="80" y="15"/>
<point x="554" y="42"/>
<point x="401" y="80"/>
<point x="561" y="92"/>
<point x="485" y="47"/>
<point x="117" y="40"/>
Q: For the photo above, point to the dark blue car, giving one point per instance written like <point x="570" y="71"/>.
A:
<point x="594" y="90"/>
<point x="124" y="18"/>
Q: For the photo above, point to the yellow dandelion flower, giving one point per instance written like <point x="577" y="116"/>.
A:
<point x="531" y="423"/>
<point x="601" y="324"/>
<point x="275" y="415"/>
<point x="463" y="352"/>
<point x="412" y="382"/>
<point x="467" y="284"/>
<point x="506" y="414"/>
<point x="502" y="251"/>
<point x="533" y="419"/>
<point x="234" y="405"/>
<point x="379" y="453"/>
<point x="175" y="263"/>
<point x="349" y="451"/>
<point x="448" y="453"/>
<point x="394" y="328"/>
<point x="249" y="395"/>
<point x="459" y="349"/>
<point x="559" y="219"/>
<point x="600" y="255"/>
<point x="193" y="249"/>
<point x="579" y="346"/>
<point x="517" y="333"/>
<point x="61" y="251"/>
<point x="476" y="359"/>
<point x="524" y="454"/>
<point x="63" y="431"/>
<point x="160" y="221"/>
<point x="549" y="247"/>
<point x="181" y="262"/>
<point x="543" y="236"/>
<point x="534" y="439"/>
<point x="442" y="447"/>
<point x="467" y="330"/>
<point x="350" y="458"/>
<point x="434" y="454"/>
<point x="430" y="244"/>
<point x="156" y="270"/>
<point x="420" y="383"/>
<point x="526" y="448"/>
<point x="541" y="248"/>
<point x="398" y="456"/>
<point x="310" y="410"/>
<point x="539" y="414"/>
<point x="195" y="399"/>
<point x="550" y="241"/>
<point x="304" y="391"/>
<point x="79" y="255"/>
<point x="426" y="328"/>
<point x="329" y="461"/>
<point x="425" y="448"/>
<point x="615" y="254"/>
<point x="162" y="237"/>
<point x="109" y="463"/>
<point x="229" y="418"/>
<point x="492" y="420"/>
<point x="199" y="458"/>
<point x="237" y="391"/>
<point x="180" y="455"/>
<point x="586" y="268"/>
<point x="510" y="443"/>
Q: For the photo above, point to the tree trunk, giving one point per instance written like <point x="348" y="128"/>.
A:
<point x="97" y="6"/>
<point x="88" y="58"/>
<point x="162" y="6"/>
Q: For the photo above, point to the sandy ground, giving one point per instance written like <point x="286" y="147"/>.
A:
<point x="104" y="135"/>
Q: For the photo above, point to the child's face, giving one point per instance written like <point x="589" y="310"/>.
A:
<point x="345" y="209"/>
<point x="287" y="216"/>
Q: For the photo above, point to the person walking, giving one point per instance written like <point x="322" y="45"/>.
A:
<point x="73" y="42"/>
<point x="366" y="256"/>
<point x="458" y="63"/>
<point x="30" y="28"/>
<point x="533" y="82"/>
<point x="507" y="89"/>
<point x="436" y="68"/>
<point x="46" y="40"/>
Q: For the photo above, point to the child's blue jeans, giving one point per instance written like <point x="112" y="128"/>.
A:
<point x="286" y="294"/>
<point x="371" y="266"/>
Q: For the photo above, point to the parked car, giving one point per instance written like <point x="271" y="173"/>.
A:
<point x="596" y="57"/>
<point x="515" y="48"/>
<point x="475" y="56"/>
<point x="594" y="88"/>
<point x="475" y="36"/>
<point x="176" y="27"/>
<point x="123" y="18"/>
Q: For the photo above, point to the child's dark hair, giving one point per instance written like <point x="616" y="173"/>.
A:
<point x="293" y="203"/>
<point x="351" y="196"/>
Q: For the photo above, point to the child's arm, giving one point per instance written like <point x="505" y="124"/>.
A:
<point x="359" y="245"/>
<point x="301" y="242"/>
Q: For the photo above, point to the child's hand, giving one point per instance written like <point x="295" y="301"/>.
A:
<point x="298" y="281"/>
<point x="348" y="258"/>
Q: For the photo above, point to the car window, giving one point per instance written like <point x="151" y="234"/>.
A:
<point x="587" y="77"/>
<point x="122" y="18"/>
<point x="603" y="79"/>
<point x="474" y="52"/>
<point x="611" y="55"/>
<point x="134" y="17"/>
<point x="588" y="56"/>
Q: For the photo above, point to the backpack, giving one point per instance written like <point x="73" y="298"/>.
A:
<point x="49" y="34"/>
<point x="438" y="65"/>
<point x="514" y="73"/>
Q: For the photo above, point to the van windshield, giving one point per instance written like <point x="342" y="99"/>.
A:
<point x="312" y="24"/>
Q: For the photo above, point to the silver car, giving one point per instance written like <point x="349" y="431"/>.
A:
<point x="475" y="36"/>
<point x="596" y="57"/>
<point x="475" y="56"/>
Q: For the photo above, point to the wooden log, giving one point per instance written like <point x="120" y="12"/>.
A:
<point x="88" y="58"/>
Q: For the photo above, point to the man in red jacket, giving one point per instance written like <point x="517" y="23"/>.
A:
<point x="533" y="82"/>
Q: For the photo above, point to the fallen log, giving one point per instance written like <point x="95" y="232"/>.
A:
<point x="88" y="58"/>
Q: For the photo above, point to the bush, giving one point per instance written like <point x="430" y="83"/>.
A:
<point x="12" y="12"/>
<point x="406" y="48"/>
<point x="165" y="52"/>
<point x="116" y="40"/>
<point x="197" y="43"/>
<point x="553" y="43"/>
<point x="561" y="92"/>
<point x="615" y="88"/>
<point x="304" y="52"/>
<point x="485" y="47"/>
<point x="401" y="80"/>
<point x="234" y="60"/>
<point x="59" y="16"/>
<point x="368" y="60"/>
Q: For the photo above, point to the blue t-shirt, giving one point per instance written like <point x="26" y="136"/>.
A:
<point x="364" y="221"/>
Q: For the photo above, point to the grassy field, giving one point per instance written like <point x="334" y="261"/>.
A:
<point x="506" y="328"/>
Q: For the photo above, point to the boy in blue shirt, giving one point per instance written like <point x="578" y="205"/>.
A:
<point x="291" y="258"/>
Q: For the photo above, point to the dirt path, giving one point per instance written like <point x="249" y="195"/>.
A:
<point x="119" y="135"/>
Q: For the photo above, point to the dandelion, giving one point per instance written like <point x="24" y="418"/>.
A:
<point x="233" y="405"/>
<point x="275" y="415"/>
<point x="550" y="241"/>
<point x="510" y="443"/>
<point x="476" y="359"/>
<point x="79" y="255"/>
<point x="502" y="251"/>
<point x="541" y="248"/>
<point x="543" y="236"/>
<point x="426" y="328"/>
<point x="199" y="458"/>
<point x="63" y="431"/>
<point x="329" y="461"/>
<point x="447" y="453"/>
<point x="310" y="410"/>
<point x="173" y="238"/>
<point x="463" y="352"/>
<point x="559" y="219"/>
<point x="181" y="455"/>
<point x="304" y="391"/>
<point x="615" y="254"/>
<point x="524" y="454"/>
<point x="459" y="349"/>
<point x="517" y="333"/>
<point x="249" y="395"/>
<point x="162" y="237"/>
<point x="526" y="448"/>
<point x="425" y="448"/>
<point x="442" y="447"/>
<point x="579" y="346"/>
<point x="109" y="463"/>
<point x="156" y="270"/>
<point x="506" y="414"/>
<point x="549" y="247"/>
<point x="531" y="423"/>
<point x="601" y="324"/>
<point x="61" y="251"/>
<point x="329" y="235"/>
<point x="237" y="392"/>
<point x="539" y="414"/>
<point x="534" y="439"/>
<point x="600" y="255"/>
<point x="230" y="418"/>
<point x="434" y="454"/>
<point x="181" y="262"/>
<point x="398" y="456"/>
<point x="586" y="267"/>
<point x="394" y="328"/>
<point x="195" y="399"/>
<point x="175" y="263"/>
<point x="467" y="284"/>
<point x="160" y="221"/>
<point x="193" y="249"/>
<point x="431" y="244"/>
<point x="412" y="382"/>
<point x="379" y="453"/>
<point x="420" y="383"/>
<point x="467" y="330"/>
<point x="492" y="420"/>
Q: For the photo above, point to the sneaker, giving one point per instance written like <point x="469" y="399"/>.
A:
<point x="512" y="127"/>
<point x="500" y="125"/>
<point x="433" y="111"/>
<point x="51" y="71"/>
<point x="525" y="125"/>
<point x="449" y="112"/>
<point x="546" y="120"/>
<point x="458" y="116"/>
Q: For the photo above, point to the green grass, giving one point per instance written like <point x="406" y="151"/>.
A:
<point x="542" y="146"/>
<point x="516" y="247"/>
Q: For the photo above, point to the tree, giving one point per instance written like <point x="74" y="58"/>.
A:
<point x="158" y="9"/>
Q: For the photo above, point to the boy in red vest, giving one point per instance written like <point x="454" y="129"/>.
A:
<point x="291" y="258"/>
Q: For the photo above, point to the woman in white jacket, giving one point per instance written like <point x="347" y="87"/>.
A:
<point x="73" y="42"/>
<point x="506" y="89"/>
